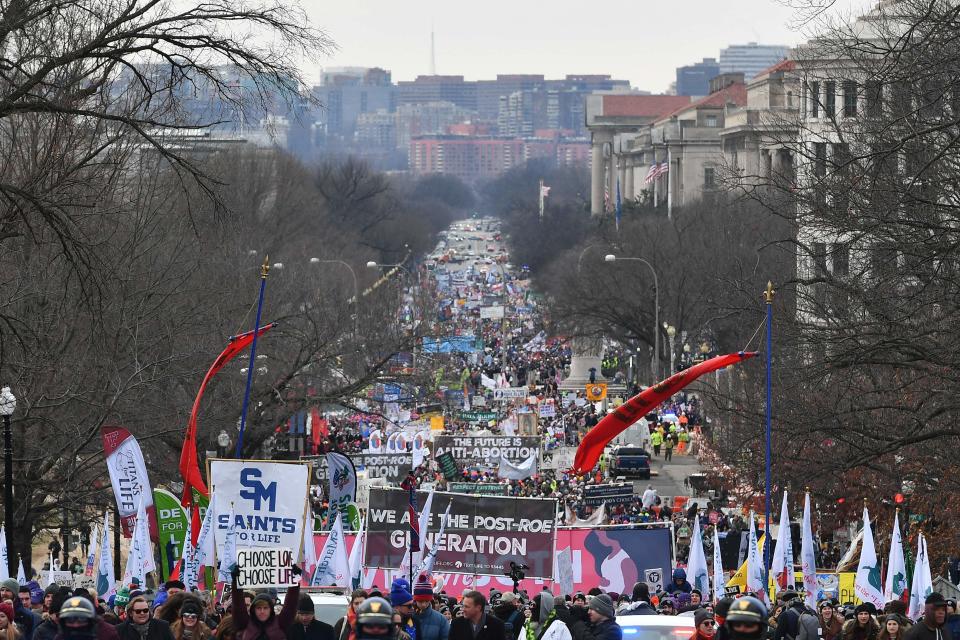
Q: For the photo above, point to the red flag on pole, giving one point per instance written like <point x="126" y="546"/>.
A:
<point x="591" y="447"/>
<point x="189" y="467"/>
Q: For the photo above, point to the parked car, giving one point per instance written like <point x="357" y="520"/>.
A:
<point x="656" y="627"/>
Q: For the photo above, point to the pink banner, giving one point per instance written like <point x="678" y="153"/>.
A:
<point x="612" y="559"/>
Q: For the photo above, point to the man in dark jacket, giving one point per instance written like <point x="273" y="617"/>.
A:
<point x="933" y="624"/>
<point x="140" y="625"/>
<point x="602" y="625"/>
<point x="509" y="613"/>
<point x="788" y="623"/>
<point x="307" y="627"/>
<point x="475" y="623"/>
<point x="639" y="602"/>
<point x="51" y="626"/>
<point x="679" y="583"/>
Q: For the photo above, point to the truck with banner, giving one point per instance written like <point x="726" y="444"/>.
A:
<point x="482" y="535"/>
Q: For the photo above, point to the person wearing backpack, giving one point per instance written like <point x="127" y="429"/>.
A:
<point x="509" y="611"/>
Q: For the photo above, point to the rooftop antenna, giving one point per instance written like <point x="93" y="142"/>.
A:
<point x="433" y="53"/>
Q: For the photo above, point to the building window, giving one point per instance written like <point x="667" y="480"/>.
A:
<point x="830" y="101"/>
<point x="820" y="159"/>
<point x="873" y="94"/>
<point x="815" y="99"/>
<point x="841" y="259"/>
<point x="849" y="99"/>
<point x="789" y="99"/>
<point x="709" y="178"/>
<point x="711" y="121"/>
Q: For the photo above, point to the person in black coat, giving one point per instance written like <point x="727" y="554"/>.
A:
<point x="306" y="626"/>
<point x="476" y="624"/>
<point x="602" y="623"/>
<point x="140" y="625"/>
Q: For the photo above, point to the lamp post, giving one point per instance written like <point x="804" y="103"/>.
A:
<point x="655" y="365"/>
<point x="671" y="334"/>
<point x="223" y="442"/>
<point x="356" y="288"/>
<point x="8" y="402"/>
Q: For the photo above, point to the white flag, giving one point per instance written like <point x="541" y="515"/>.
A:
<point x="186" y="558"/>
<point x="781" y="565"/>
<point x="867" y="584"/>
<point x="343" y="482"/>
<point x="922" y="583"/>
<point x="140" y="560"/>
<point x="755" y="565"/>
<point x="896" y="582"/>
<point x="521" y="471"/>
<point x="808" y="557"/>
<point x="205" y="540"/>
<point x="90" y="569"/>
<point x="4" y="566"/>
<point x="308" y="549"/>
<point x="21" y="574"/>
<point x="427" y="565"/>
<point x="333" y="566"/>
<point x="425" y="520"/>
<point x="719" y="578"/>
<point x="106" y="581"/>
<point x="228" y="557"/>
<point x="697" y="562"/>
<point x="355" y="559"/>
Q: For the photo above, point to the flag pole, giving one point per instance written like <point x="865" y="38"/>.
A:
<point x="264" y="270"/>
<point x="768" y="297"/>
<point x="541" y="199"/>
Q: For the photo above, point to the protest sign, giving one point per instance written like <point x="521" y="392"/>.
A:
<point x="493" y="313"/>
<point x="265" y="568"/>
<point x="392" y="467"/>
<point x="618" y="493"/>
<point x="527" y="423"/>
<point x="264" y="515"/>
<point x="483" y="534"/>
<point x="448" y="465"/>
<point x="478" y="488"/>
<point x="60" y="578"/>
<point x="477" y="416"/>
<point x="474" y="450"/>
<point x="510" y="393"/>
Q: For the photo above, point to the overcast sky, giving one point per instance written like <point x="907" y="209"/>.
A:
<point x="642" y="41"/>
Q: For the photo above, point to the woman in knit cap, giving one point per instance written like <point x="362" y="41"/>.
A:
<point x="863" y="626"/>
<point x="190" y="626"/>
<point x="8" y="630"/>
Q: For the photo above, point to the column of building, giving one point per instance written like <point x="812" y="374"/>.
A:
<point x="597" y="171"/>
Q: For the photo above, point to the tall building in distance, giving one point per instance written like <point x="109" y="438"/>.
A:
<point x="694" y="79"/>
<point x="751" y="58"/>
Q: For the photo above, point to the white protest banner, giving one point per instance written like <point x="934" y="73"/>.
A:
<point x="548" y="410"/>
<point x="263" y="568"/>
<point x="60" y="578"/>
<point x="128" y="475"/>
<point x="493" y="313"/>
<point x="268" y="498"/>
<point x="510" y="393"/>
<point x="564" y="571"/>
<point x="83" y="581"/>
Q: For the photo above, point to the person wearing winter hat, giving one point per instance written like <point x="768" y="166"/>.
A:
<point x="190" y="626"/>
<point x="433" y="624"/>
<point x="8" y="630"/>
<point x="48" y="595"/>
<point x="259" y="622"/>
<point x="932" y="626"/>
<point x="679" y="582"/>
<point x="705" y="625"/>
<point x="825" y="625"/>
<point x="544" y="614"/>
<point x="174" y="586"/>
<point x="50" y="627"/>
<point x="140" y="625"/>
<point x="24" y="618"/>
<point x="307" y="627"/>
<point x="862" y="626"/>
<point x="508" y="611"/>
<point x="402" y="602"/>
<point x="602" y="625"/>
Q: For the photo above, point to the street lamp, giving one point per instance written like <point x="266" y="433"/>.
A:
<point x="671" y="334"/>
<point x="356" y="289"/>
<point x="223" y="441"/>
<point x="655" y="365"/>
<point x="8" y="402"/>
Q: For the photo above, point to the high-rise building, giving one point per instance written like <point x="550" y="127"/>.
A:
<point x="429" y="118"/>
<point x="751" y="58"/>
<point x="346" y="93"/>
<point x="438" y="89"/>
<point x="694" y="79"/>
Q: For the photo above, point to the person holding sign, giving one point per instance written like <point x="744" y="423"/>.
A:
<point x="260" y="622"/>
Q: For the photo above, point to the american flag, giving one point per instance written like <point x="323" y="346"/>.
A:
<point x="651" y="174"/>
<point x="606" y="199"/>
<point x="662" y="169"/>
<point x="544" y="191"/>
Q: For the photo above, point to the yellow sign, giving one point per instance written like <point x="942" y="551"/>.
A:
<point x="436" y="423"/>
<point x="596" y="391"/>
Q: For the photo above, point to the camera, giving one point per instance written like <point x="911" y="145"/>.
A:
<point x="516" y="573"/>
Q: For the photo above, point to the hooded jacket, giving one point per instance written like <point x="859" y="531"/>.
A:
<point x="249" y="628"/>
<point x="684" y="587"/>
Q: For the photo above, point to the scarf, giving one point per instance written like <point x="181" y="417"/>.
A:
<point x="352" y="623"/>
<point x="534" y="634"/>
<point x="141" y="629"/>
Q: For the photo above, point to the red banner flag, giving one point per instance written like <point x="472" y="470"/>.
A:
<point x="591" y="447"/>
<point x="189" y="467"/>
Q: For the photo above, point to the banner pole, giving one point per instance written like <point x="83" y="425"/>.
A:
<point x="264" y="270"/>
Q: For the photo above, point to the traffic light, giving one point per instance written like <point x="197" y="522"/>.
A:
<point x="841" y="500"/>
<point x="898" y="499"/>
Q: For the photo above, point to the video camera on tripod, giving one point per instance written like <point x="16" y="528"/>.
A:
<point x="516" y="573"/>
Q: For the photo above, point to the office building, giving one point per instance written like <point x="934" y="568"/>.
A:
<point x="694" y="79"/>
<point x="751" y="58"/>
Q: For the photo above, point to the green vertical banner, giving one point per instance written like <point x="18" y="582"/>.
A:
<point x="171" y="527"/>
